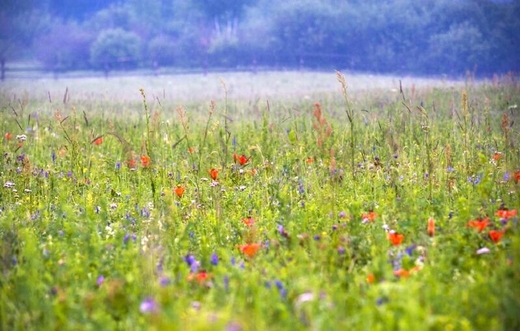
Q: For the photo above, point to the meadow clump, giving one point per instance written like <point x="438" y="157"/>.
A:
<point x="335" y="213"/>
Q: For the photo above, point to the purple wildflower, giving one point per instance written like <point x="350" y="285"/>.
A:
<point x="214" y="259"/>
<point x="192" y="263"/>
<point x="189" y="259"/>
<point x="148" y="306"/>
<point x="409" y="250"/>
<point x="129" y="236"/>
<point x="475" y="179"/>
<point x="226" y="282"/>
<point x="164" y="281"/>
<point x="506" y="176"/>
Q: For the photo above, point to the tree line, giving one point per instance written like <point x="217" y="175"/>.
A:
<point x="425" y="37"/>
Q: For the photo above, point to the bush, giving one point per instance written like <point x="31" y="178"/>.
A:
<point x="116" y="49"/>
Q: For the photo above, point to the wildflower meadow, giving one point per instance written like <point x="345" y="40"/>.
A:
<point x="386" y="209"/>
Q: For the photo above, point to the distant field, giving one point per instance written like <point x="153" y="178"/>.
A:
<point x="197" y="87"/>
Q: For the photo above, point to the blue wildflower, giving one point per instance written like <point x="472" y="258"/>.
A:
<point x="214" y="259"/>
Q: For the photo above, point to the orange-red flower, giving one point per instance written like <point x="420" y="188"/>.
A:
<point x="395" y="238"/>
<point x="309" y="160"/>
<point x="179" y="190"/>
<point x="98" y="141"/>
<point x="249" y="249"/>
<point x="145" y="161"/>
<point x="517" y="176"/>
<point x="371" y="278"/>
<point x="496" y="235"/>
<point x="431" y="227"/>
<point x="249" y="221"/>
<point x="213" y="173"/>
<point x="191" y="150"/>
<point x="131" y="163"/>
<point x="403" y="273"/>
<point x="479" y="224"/>
<point x="201" y="277"/>
<point x="241" y="159"/>
<point x="8" y="136"/>
<point x="369" y="217"/>
<point x="497" y="156"/>
<point x="505" y="213"/>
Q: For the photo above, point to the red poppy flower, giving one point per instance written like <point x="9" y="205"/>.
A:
<point x="479" y="224"/>
<point x="497" y="156"/>
<point x="249" y="249"/>
<point x="179" y="190"/>
<point x="505" y="213"/>
<point x="249" y="221"/>
<point x="309" y="160"/>
<point x="8" y="136"/>
<point x="496" y="235"/>
<point x="201" y="277"/>
<point x="369" y="217"/>
<point x="145" y="160"/>
<point x="371" y="278"/>
<point x="403" y="273"/>
<point x="213" y="173"/>
<point x="191" y="150"/>
<point x="517" y="176"/>
<point x="431" y="227"/>
<point x="98" y="141"/>
<point x="395" y="238"/>
<point x="131" y="163"/>
<point x="241" y="159"/>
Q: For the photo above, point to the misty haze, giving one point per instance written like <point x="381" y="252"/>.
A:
<point x="432" y="37"/>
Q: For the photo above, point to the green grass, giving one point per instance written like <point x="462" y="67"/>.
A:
<point x="91" y="241"/>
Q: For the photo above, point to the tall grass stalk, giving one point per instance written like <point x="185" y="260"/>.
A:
<point x="148" y="149"/>
<point x="464" y="124"/>
<point x="350" y="116"/>
<point x="226" y="135"/>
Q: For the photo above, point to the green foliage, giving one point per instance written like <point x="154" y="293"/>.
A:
<point x="163" y="50"/>
<point x="116" y="48"/>
<point x="462" y="45"/>
<point x="427" y="37"/>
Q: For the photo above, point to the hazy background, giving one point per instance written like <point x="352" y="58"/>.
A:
<point x="423" y="37"/>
